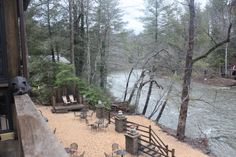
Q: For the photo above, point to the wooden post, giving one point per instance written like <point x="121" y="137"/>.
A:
<point x="150" y="133"/>
<point x="167" y="150"/>
<point x="53" y="101"/>
<point x="173" y="153"/>
<point x="24" y="49"/>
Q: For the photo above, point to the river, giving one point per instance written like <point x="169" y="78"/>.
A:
<point x="212" y="109"/>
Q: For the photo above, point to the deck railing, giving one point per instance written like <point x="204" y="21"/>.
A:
<point x="150" y="138"/>
<point x="34" y="135"/>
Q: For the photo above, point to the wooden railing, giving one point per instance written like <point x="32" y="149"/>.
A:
<point x="149" y="137"/>
<point x="35" y="137"/>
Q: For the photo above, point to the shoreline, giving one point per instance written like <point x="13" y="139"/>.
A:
<point x="197" y="143"/>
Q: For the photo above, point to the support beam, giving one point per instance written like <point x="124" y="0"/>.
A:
<point x="24" y="49"/>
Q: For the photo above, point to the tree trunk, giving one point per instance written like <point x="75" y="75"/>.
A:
<point x="97" y="50"/>
<point x="136" y="86"/>
<point x="156" y="21"/>
<point x="71" y="24"/>
<point x="82" y="55"/>
<point x="148" y="96"/>
<point x="127" y="84"/>
<point x="50" y="31"/>
<point x="57" y="52"/>
<point x="103" y="65"/>
<point x="88" y="44"/>
<point x="187" y="76"/>
<point x="161" y="111"/>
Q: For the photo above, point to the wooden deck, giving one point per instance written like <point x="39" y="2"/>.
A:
<point x="67" y="108"/>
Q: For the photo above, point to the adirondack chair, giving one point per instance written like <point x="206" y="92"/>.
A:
<point x="72" y="99"/>
<point x="65" y="101"/>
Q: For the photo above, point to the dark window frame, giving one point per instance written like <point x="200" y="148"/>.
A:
<point x="3" y="54"/>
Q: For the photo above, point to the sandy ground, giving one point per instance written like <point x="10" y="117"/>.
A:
<point x="71" y="129"/>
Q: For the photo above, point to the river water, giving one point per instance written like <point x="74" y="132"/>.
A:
<point x="212" y="110"/>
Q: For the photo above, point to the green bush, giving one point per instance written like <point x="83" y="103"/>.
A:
<point x="45" y="75"/>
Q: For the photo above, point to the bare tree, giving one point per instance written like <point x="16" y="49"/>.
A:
<point x="188" y="70"/>
<point x="187" y="75"/>
<point x="71" y="24"/>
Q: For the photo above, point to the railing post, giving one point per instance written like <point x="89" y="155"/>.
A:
<point x="150" y="133"/>
<point x="120" y="122"/>
<point x="132" y="141"/>
<point x="173" y="153"/>
<point x="167" y="150"/>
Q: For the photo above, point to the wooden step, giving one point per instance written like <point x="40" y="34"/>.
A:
<point x="150" y="150"/>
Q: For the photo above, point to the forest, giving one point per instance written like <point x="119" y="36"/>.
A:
<point x="85" y="41"/>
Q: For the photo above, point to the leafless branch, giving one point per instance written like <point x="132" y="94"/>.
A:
<point x="215" y="46"/>
<point x="212" y="39"/>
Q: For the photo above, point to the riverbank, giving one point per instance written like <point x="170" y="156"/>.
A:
<point x="69" y="129"/>
<point x="215" y="81"/>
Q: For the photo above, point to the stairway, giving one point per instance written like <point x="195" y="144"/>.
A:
<point x="150" y="150"/>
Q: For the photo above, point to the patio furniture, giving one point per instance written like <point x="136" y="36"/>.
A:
<point x="104" y="125"/>
<point x="65" y="101"/>
<point x="121" y="152"/>
<point x="99" y="122"/>
<point x="115" y="147"/>
<point x="83" y="115"/>
<point x="72" y="99"/>
<point x="82" y="155"/>
<point x="91" y="115"/>
<point x="93" y="126"/>
<point x="107" y="155"/>
<point x="73" y="148"/>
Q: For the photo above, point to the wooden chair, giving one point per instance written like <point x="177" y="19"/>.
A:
<point x="73" y="148"/>
<point x="82" y="155"/>
<point x="91" y="115"/>
<point x="93" y="126"/>
<point x="107" y="155"/>
<point x="72" y="99"/>
<point x="65" y="101"/>
<point x="115" y="147"/>
<point x="104" y="125"/>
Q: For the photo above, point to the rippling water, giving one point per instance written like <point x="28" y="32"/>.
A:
<point x="213" y="109"/>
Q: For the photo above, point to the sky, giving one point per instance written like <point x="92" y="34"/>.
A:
<point x="133" y="10"/>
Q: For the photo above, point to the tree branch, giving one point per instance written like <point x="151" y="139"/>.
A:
<point x="215" y="46"/>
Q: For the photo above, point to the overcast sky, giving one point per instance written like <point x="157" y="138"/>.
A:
<point x="133" y="10"/>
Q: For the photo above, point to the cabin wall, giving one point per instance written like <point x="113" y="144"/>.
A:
<point x="12" y="37"/>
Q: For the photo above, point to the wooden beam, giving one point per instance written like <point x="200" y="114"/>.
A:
<point x="36" y="139"/>
<point x="12" y="39"/>
<point x="24" y="49"/>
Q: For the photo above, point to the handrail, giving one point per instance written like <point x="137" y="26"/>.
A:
<point x="137" y="124"/>
<point x="155" y="135"/>
<point x="147" y="132"/>
<point x="35" y="137"/>
<point x="153" y="138"/>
